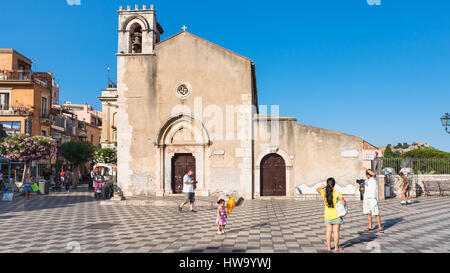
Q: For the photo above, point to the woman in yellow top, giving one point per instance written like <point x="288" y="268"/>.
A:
<point x="332" y="219"/>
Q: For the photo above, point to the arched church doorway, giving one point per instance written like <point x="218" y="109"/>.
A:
<point x="273" y="176"/>
<point x="181" y="164"/>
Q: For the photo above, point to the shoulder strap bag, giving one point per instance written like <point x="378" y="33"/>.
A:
<point x="340" y="208"/>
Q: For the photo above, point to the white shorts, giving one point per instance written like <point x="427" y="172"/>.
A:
<point x="370" y="206"/>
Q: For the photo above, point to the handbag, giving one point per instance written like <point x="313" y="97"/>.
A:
<point x="34" y="187"/>
<point x="341" y="209"/>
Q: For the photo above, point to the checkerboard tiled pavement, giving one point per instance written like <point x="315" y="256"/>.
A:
<point x="66" y="222"/>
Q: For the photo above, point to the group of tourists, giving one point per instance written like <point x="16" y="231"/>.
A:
<point x="189" y="186"/>
<point x="66" y="179"/>
<point x="57" y="181"/>
<point x="370" y="207"/>
<point x="28" y="185"/>
<point x="63" y="181"/>
<point x="333" y="219"/>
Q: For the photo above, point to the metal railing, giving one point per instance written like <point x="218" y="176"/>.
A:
<point x="417" y="165"/>
<point x="81" y="125"/>
<point x="59" y="120"/>
<point x="15" y="111"/>
<point x="4" y="106"/>
<point x="23" y="75"/>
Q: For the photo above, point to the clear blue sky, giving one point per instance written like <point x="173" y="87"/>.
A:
<point x="379" y="72"/>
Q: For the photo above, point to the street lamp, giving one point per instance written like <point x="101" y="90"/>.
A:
<point x="445" y="121"/>
<point x="109" y="81"/>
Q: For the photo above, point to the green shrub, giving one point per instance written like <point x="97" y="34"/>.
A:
<point x="105" y="155"/>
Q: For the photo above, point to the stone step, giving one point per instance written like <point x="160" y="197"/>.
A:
<point x="156" y="202"/>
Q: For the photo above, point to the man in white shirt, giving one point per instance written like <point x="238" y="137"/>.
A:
<point x="188" y="191"/>
<point x="370" y="202"/>
<point x="91" y="183"/>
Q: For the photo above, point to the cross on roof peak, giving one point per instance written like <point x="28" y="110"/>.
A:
<point x="184" y="28"/>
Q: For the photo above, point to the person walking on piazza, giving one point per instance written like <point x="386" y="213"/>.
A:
<point x="27" y="185"/>
<point x="91" y="183"/>
<point x="62" y="177"/>
<point x="406" y="183"/>
<point x="68" y="180"/>
<point x="188" y="190"/>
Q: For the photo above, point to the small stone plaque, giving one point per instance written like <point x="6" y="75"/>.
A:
<point x="219" y="152"/>
<point x="350" y="153"/>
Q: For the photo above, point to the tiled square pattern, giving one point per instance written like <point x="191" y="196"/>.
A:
<point x="75" y="221"/>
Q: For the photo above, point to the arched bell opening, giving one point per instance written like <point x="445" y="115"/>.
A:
<point x="136" y="38"/>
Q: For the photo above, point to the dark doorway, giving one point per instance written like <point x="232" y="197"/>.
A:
<point x="181" y="164"/>
<point x="273" y="176"/>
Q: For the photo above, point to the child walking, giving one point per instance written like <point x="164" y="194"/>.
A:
<point x="221" y="217"/>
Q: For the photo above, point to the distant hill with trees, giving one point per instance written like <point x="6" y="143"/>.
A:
<point x="400" y="149"/>
<point x="426" y="153"/>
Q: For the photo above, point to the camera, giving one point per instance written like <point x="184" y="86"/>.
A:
<point x="361" y="184"/>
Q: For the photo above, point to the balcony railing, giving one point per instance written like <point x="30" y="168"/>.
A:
<point x="81" y="125"/>
<point x="14" y="110"/>
<point x="23" y="75"/>
<point x="4" y="107"/>
<point x="59" y="120"/>
<point x="109" y="93"/>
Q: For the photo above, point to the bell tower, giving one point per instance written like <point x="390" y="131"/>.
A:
<point x="139" y="30"/>
<point x="137" y="103"/>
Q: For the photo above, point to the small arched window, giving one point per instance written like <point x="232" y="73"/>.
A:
<point x="136" y="38"/>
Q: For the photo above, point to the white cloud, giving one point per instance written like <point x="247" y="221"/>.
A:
<point x="74" y="2"/>
<point x="374" y="2"/>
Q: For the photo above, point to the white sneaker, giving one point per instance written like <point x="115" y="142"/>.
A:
<point x="403" y="202"/>
<point x="223" y="231"/>
<point x="218" y="232"/>
<point x="408" y="201"/>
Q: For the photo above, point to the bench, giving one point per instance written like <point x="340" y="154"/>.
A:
<point x="442" y="187"/>
<point x="431" y="186"/>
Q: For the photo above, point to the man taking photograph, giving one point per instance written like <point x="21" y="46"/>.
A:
<point x="370" y="202"/>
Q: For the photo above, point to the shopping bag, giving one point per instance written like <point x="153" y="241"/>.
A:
<point x="8" y="196"/>
<point x="341" y="209"/>
<point x="34" y="187"/>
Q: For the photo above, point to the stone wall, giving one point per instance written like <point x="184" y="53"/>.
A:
<point x="416" y="187"/>
<point x="311" y="154"/>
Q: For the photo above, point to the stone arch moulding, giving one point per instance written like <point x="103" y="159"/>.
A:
<point x="135" y="19"/>
<point x="279" y="152"/>
<point x="179" y="121"/>
<point x="183" y="125"/>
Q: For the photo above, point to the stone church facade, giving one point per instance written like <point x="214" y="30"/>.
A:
<point x="186" y="103"/>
